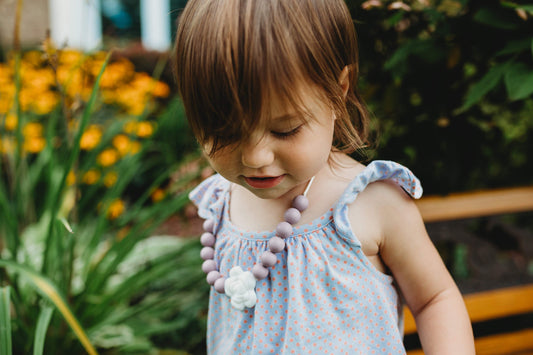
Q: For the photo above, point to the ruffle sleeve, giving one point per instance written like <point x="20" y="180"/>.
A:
<point x="209" y="198"/>
<point x="375" y="171"/>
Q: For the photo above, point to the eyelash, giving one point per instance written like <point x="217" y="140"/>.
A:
<point x="287" y="135"/>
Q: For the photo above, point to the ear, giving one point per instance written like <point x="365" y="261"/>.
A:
<point x="344" y="81"/>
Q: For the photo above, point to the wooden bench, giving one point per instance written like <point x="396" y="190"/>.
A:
<point x="488" y="306"/>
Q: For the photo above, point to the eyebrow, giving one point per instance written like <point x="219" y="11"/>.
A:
<point x="288" y="117"/>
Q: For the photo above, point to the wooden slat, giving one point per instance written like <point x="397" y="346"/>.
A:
<point x="507" y="343"/>
<point x="500" y="303"/>
<point x="489" y="305"/>
<point x="476" y="204"/>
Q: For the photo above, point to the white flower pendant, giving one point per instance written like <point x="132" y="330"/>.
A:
<point x="240" y="287"/>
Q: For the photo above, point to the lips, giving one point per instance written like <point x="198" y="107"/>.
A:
<point x="263" y="182"/>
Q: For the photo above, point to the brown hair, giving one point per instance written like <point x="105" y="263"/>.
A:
<point x="233" y="56"/>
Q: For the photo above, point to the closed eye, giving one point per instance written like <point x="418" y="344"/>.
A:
<point x="287" y="134"/>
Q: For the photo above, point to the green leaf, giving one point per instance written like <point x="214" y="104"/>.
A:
<point x="482" y="87"/>
<point x="525" y="7"/>
<point x="518" y="81"/>
<point x="496" y="18"/>
<point x="5" y="321"/>
<point x="48" y="290"/>
<point x="42" y="326"/>
<point x="516" y="46"/>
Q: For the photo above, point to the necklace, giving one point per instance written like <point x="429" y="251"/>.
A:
<point x="240" y="285"/>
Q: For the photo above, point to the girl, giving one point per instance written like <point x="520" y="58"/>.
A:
<point x="308" y="251"/>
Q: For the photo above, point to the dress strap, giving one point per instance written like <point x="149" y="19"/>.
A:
<point x="210" y="197"/>
<point x="383" y="170"/>
<point x="375" y="171"/>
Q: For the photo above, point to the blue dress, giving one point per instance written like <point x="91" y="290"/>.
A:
<point x="322" y="297"/>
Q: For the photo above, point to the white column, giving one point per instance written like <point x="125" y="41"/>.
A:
<point x="76" y="23"/>
<point x="155" y="24"/>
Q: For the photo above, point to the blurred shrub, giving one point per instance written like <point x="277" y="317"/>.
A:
<point x="451" y="84"/>
<point x="85" y="180"/>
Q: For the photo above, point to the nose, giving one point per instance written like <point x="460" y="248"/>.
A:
<point x="257" y="153"/>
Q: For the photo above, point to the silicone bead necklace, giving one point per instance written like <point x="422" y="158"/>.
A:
<point x="240" y="285"/>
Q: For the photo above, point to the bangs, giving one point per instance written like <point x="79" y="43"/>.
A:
<point x="233" y="58"/>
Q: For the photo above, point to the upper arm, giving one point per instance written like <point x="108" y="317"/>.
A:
<point x="406" y="248"/>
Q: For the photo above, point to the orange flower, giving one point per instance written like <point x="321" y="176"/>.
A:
<point x="122" y="143"/>
<point x="145" y="129"/>
<point x="110" y="178"/>
<point x="91" y="177"/>
<point x="71" y="178"/>
<point x="108" y="157"/>
<point x="11" y="122"/>
<point x="34" y="144"/>
<point x="91" y="137"/>
<point x="33" y="129"/>
<point x="158" y="195"/>
<point x="116" y="208"/>
<point x="161" y="89"/>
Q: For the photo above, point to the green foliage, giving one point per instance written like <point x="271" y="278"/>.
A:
<point x="5" y="320"/>
<point x="80" y="268"/>
<point x="450" y="83"/>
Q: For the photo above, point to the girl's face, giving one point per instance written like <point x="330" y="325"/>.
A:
<point x="281" y="155"/>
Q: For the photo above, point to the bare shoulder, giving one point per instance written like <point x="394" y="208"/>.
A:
<point x="386" y="195"/>
<point x="380" y="211"/>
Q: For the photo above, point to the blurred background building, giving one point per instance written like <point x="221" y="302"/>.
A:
<point x="91" y="24"/>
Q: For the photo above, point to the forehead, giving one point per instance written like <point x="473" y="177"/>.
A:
<point x="307" y="102"/>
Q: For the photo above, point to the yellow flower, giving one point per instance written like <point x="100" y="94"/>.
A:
<point x="33" y="129"/>
<point x="91" y="137"/>
<point x="108" y="157"/>
<point x="34" y="58"/>
<point x="26" y="98"/>
<point x="71" y="178"/>
<point x="69" y="57"/>
<point x="116" y="208"/>
<point x="115" y="73"/>
<point x="45" y="102"/>
<point x="161" y="89"/>
<point x="110" y="178"/>
<point x="136" y="107"/>
<point x="5" y="103"/>
<point x="130" y="127"/>
<point x="7" y="145"/>
<point x="34" y="144"/>
<point x="122" y="143"/>
<point x="91" y="177"/>
<point x="145" y="129"/>
<point x="11" y="122"/>
<point x="135" y="147"/>
<point x="158" y="195"/>
<point x="39" y="80"/>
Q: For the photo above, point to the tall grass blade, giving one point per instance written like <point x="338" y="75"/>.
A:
<point x="5" y="321"/>
<point x="48" y="290"/>
<point x="74" y="153"/>
<point x="40" y="332"/>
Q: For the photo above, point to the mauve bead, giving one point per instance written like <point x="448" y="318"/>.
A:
<point x="284" y="230"/>
<point x="300" y="202"/>
<point x="209" y="265"/>
<point x="208" y="225"/>
<point x="268" y="259"/>
<point x="212" y="277"/>
<point x="207" y="239"/>
<point x="207" y="253"/>
<point x="276" y="244"/>
<point x="219" y="285"/>
<point x="292" y="215"/>
<point x="259" y="271"/>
